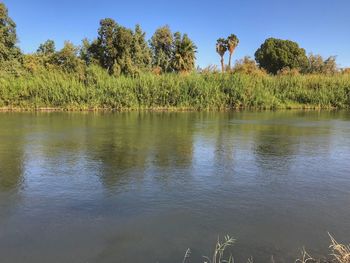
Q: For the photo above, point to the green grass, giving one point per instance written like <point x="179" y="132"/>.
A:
<point x="213" y="91"/>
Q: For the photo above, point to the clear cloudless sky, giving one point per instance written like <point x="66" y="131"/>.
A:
<point x="319" y="26"/>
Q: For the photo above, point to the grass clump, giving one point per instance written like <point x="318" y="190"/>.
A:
<point x="340" y="253"/>
<point x="219" y="252"/>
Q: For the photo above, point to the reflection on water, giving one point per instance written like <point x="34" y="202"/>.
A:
<point x="125" y="187"/>
<point x="11" y="162"/>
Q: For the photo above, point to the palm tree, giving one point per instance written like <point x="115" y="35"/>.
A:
<point x="184" y="53"/>
<point x="232" y="43"/>
<point x="221" y="48"/>
<point x="189" y="50"/>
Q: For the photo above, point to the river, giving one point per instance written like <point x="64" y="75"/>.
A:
<point x="144" y="187"/>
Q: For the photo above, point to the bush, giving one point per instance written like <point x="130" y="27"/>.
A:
<point x="288" y="72"/>
<point x="248" y="66"/>
<point x="317" y="65"/>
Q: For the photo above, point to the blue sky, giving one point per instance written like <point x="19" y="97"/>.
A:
<point x="319" y="26"/>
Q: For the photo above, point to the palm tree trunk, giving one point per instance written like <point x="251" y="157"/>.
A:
<point x="222" y="64"/>
<point x="229" y="61"/>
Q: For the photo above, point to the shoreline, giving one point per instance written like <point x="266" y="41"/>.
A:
<point x="165" y="109"/>
<point x="97" y="109"/>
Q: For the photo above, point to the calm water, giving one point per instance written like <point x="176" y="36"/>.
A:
<point x="143" y="187"/>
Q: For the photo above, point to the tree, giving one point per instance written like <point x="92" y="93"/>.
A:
<point x="113" y="48"/>
<point x="176" y="60"/>
<point x="277" y="54"/>
<point x="67" y="58"/>
<point x="330" y="66"/>
<point x="184" y="53"/>
<point x="161" y="45"/>
<point x="47" y="48"/>
<point x="140" y="51"/>
<point x="123" y="43"/>
<point x="85" y="51"/>
<point x="93" y="52"/>
<point x="105" y="49"/>
<point x="345" y="71"/>
<point x="221" y="48"/>
<point x="317" y="65"/>
<point x="232" y="43"/>
<point x="8" y="36"/>
<point x="43" y="58"/>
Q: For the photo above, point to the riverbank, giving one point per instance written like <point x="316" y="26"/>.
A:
<point x="173" y="109"/>
<point x="96" y="90"/>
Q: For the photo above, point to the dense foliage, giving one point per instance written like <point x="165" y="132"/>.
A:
<point x="214" y="91"/>
<point x="47" y="48"/>
<point x="277" y="54"/>
<point x="10" y="55"/>
<point x="8" y="37"/>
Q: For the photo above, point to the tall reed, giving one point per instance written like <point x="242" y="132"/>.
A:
<point x="340" y="253"/>
<point x="211" y="91"/>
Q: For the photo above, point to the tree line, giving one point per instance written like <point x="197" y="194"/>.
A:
<point x="276" y="56"/>
<point x="117" y="49"/>
<point x="124" y="51"/>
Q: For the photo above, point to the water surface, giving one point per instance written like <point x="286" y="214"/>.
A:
<point x="143" y="187"/>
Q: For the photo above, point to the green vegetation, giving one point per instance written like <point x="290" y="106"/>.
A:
<point x="10" y="55"/>
<point x="95" y="88"/>
<point x="121" y="70"/>
<point x="8" y="40"/>
<point x="276" y="54"/>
